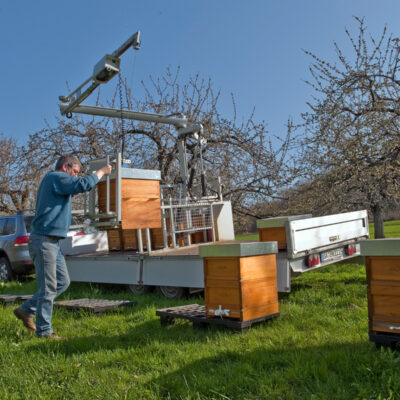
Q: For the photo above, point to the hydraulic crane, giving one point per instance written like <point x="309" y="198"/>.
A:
<point x="103" y="72"/>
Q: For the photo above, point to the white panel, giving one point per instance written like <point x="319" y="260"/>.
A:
<point x="82" y="244"/>
<point x="223" y="221"/>
<point x="312" y="233"/>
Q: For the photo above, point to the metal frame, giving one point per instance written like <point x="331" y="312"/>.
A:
<point x="103" y="72"/>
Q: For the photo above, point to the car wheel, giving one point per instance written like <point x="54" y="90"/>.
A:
<point x="173" y="292"/>
<point x="6" y="273"/>
<point x="140" y="289"/>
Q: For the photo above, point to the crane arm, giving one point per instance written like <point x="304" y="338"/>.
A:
<point x="103" y="71"/>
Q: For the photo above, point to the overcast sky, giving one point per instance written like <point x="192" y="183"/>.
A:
<point x="251" y="48"/>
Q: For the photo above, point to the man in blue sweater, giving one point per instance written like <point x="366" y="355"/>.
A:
<point x="50" y="225"/>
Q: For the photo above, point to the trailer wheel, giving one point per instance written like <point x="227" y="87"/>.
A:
<point x="172" y="292"/>
<point x="140" y="289"/>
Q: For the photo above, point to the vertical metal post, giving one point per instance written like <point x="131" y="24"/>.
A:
<point x="92" y="202"/>
<point x="172" y="221"/>
<point x="108" y="188"/>
<point x="183" y="165"/>
<point x="85" y="200"/>
<point x="118" y="187"/>
<point x="163" y="220"/>
<point x="212" y="222"/>
<point x="164" y="228"/>
<point x="219" y="188"/>
<point x="139" y="240"/>
<point x="148" y="240"/>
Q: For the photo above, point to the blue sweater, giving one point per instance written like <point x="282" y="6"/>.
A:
<point x="53" y="202"/>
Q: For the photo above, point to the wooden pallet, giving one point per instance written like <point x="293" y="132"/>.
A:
<point x="197" y="315"/>
<point x="97" y="306"/>
<point x="9" y="299"/>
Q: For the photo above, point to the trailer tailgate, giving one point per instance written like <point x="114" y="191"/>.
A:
<point x="306" y="235"/>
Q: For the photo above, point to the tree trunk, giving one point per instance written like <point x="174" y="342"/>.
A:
<point x="378" y="221"/>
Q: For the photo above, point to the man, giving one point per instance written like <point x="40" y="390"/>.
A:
<point x="50" y="225"/>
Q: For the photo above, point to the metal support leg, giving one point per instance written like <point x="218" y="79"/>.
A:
<point x="172" y="220"/>
<point x="212" y="222"/>
<point x="164" y="229"/>
<point x="118" y="188"/>
<point x="140" y="241"/>
<point x="148" y="240"/>
<point x="92" y="201"/>
<point x="108" y="188"/>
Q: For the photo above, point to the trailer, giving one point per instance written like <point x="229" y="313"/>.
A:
<point x="311" y="243"/>
<point x="164" y="232"/>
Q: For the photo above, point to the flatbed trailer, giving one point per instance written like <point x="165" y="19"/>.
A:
<point x="312" y="243"/>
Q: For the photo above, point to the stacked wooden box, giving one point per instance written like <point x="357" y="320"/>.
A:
<point x="382" y="260"/>
<point x="240" y="280"/>
<point x="140" y="208"/>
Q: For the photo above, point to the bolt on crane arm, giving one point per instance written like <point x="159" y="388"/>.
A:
<point x="103" y="71"/>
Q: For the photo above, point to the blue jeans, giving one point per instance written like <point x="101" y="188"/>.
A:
<point x="51" y="277"/>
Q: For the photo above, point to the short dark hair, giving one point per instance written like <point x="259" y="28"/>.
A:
<point x="69" y="159"/>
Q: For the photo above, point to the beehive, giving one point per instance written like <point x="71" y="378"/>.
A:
<point x="240" y="279"/>
<point x="140" y="206"/>
<point x="382" y="261"/>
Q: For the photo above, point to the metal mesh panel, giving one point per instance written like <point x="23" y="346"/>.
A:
<point x="190" y="217"/>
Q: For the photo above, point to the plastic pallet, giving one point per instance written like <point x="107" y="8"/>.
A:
<point x="9" y="299"/>
<point x="97" y="306"/>
<point x="197" y="315"/>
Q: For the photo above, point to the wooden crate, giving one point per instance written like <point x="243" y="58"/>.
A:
<point x="382" y="261"/>
<point x="274" y="233"/>
<point x="126" y="239"/>
<point x="383" y="289"/>
<point x="197" y="237"/>
<point x="140" y="202"/>
<point x="243" y="283"/>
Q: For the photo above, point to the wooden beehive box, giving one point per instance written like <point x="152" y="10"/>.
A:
<point x="240" y="278"/>
<point x="140" y="206"/>
<point x="274" y="229"/>
<point x="382" y="261"/>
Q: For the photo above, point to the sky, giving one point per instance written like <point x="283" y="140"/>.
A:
<point x="252" y="49"/>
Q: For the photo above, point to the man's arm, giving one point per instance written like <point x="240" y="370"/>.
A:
<point x="106" y="170"/>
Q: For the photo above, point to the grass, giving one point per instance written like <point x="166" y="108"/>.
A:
<point x="317" y="349"/>
<point x="391" y="229"/>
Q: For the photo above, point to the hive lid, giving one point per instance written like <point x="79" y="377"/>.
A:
<point x="136" y="173"/>
<point x="238" y="249"/>
<point x="380" y="247"/>
<point x="278" y="222"/>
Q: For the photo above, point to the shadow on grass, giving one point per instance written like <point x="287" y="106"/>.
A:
<point x="335" y="371"/>
<point x="138" y="330"/>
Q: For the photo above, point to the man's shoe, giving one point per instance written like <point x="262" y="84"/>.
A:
<point x="53" y="336"/>
<point x="26" y="319"/>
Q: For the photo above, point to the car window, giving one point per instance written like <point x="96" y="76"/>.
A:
<point x="28" y="221"/>
<point x="2" y="225"/>
<point x="11" y="226"/>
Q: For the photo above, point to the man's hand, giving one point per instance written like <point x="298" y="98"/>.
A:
<point x="106" y="170"/>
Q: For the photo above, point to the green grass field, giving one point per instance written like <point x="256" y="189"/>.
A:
<point x="317" y="349"/>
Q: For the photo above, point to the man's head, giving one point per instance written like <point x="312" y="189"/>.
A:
<point x="68" y="164"/>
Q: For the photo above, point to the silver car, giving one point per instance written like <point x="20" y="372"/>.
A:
<point x="14" y="235"/>
<point x="14" y="255"/>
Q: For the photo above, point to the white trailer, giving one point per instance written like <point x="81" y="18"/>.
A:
<point x="311" y="243"/>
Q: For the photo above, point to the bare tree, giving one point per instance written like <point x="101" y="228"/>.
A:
<point x="17" y="180"/>
<point x="352" y="141"/>
<point x="251" y="163"/>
